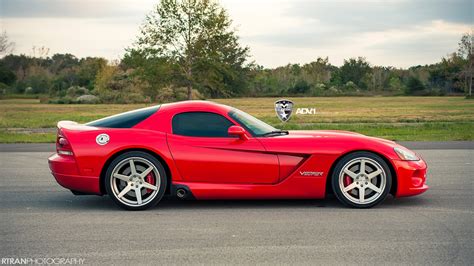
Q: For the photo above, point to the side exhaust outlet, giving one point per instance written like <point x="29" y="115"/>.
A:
<point x="181" y="193"/>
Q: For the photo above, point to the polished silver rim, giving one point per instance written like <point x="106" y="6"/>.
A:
<point x="362" y="180"/>
<point x="135" y="181"/>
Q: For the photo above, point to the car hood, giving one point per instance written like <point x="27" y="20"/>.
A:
<point x="335" y="134"/>
<point x="327" y="142"/>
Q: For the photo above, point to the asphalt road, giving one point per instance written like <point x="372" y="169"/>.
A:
<point x="40" y="219"/>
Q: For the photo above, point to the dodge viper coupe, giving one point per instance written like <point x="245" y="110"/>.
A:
<point x="203" y="150"/>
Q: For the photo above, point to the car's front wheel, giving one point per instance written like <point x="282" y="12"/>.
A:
<point x="135" y="180"/>
<point x="361" y="180"/>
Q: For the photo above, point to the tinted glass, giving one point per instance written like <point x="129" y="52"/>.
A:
<point x="252" y="124"/>
<point x="201" y="124"/>
<point x="125" y="120"/>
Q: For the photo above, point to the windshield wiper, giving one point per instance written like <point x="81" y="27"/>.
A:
<point x="275" y="132"/>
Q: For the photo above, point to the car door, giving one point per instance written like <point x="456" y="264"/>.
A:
<point x="203" y="152"/>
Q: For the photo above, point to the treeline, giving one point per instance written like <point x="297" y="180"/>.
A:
<point x="357" y="77"/>
<point x="65" y="78"/>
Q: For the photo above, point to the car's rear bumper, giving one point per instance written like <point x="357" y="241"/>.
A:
<point x="411" y="177"/>
<point x="65" y="171"/>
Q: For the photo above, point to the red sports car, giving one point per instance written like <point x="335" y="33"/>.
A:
<point x="204" y="150"/>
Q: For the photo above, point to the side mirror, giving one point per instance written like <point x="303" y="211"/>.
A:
<point x="237" y="131"/>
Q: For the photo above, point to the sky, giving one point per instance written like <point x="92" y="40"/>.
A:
<point x="399" y="33"/>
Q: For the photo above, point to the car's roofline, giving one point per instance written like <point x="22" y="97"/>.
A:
<point x="191" y="104"/>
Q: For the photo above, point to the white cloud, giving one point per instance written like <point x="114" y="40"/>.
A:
<point x="398" y="32"/>
<point x="79" y="36"/>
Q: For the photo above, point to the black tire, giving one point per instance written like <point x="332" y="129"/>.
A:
<point x="139" y="155"/>
<point x="348" y="198"/>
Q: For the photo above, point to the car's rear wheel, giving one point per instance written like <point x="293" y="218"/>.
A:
<point x="135" y="180"/>
<point x="361" y="180"/>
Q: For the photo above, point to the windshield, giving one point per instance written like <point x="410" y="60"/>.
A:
<point x="252" y="124"/>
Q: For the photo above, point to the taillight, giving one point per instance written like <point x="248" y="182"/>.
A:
<point x="63" y="141"/>
<point x="63" y="147"/>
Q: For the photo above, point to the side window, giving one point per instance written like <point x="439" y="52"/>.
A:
<point x="201" y="124"/>
<point x="125" y="120"/>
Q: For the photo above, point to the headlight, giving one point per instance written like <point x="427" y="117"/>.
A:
<point x="406" y="155"/>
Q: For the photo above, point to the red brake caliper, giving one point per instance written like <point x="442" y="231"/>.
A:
<point x="150" y="179"/>
<point x="347" y="180"/>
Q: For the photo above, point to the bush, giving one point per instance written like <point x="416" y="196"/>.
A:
<point x="351" y="86"/>
<point x="166" y="94"/>
<point x="133" y="97"/>
<point x="318" y="89"/>
<point x="3" y="88"/>
<point x="334" y="90"/>
<point x="111" y="96"/>
<point x="90" y="99"/>
<point x="63" y="100"/>
<point x="170" y="94"/>
<point x="75" y="91"/>
<point x="181" y="94"/>
<point x="29" y="90"/>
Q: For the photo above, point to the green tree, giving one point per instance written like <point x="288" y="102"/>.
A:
<point x="415" y="86"/>
<point x="7" y="76"/>
<point x="60" y="62"/>
<point x="263" y="82"/>
<point x="318" y="71"/>
<point x="354" y="70"/>
<point x="379" y="78"/>
<point x="300" y="87"/>
<point x="156" y="73"/>
<point x="6" y="46"/>
<point x="196" y="37"/>
<point x="447" y="74"/>
<point x="88" y="69"/>
<point x="466" y="50"/>
<point x="114" y="84"/>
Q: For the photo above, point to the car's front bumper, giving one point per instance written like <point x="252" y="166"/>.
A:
<point x="411" y="177"/>
<point x="65" y="171"/>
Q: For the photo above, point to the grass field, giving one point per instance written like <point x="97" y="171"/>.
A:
<point x="396" y="118"/>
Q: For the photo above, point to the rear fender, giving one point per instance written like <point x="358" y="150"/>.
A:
<point x="91" y="157"/>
